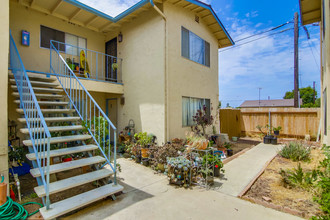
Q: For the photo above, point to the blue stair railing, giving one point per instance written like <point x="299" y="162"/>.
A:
<point x="99" y="126"/>
<point x="37" y="127"/>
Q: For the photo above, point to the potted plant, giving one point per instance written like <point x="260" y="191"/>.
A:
<point x="66" y="158"/>
<point x="267" y="135"/>
<point x="215" y="162"/>
<point x="144" y="140"/>
<point x="178" y="170"/>
<point x="277" y="130"/>
<point x="227" y="145"/>
<point x="136" y="152"/>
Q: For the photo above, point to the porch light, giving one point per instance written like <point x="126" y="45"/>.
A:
<point x="120" y="37"/>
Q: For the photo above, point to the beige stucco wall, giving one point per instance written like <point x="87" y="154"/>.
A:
<point x="4" y="45"/>
<point x="186" y="77"/>
<point x="325" y="68"/>
<point x="34" y="57"/>
<point x="143" y="65"/>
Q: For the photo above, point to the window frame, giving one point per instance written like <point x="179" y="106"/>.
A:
<point x="186" y="54"/>
<point x="62" y="42"/>
<point x="203" y="103"/>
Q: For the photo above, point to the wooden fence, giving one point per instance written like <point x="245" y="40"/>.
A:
<point x="294" y="122"/>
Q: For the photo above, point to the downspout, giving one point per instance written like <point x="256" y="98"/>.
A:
<point x="166" y="74"/>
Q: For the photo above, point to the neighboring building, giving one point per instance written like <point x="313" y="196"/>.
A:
<point x="272" y="103"/>
<point x="155" y="63"/>
<point x="319" y="11"/>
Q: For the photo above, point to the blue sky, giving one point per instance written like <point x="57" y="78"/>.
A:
<point x="266" y="63"/>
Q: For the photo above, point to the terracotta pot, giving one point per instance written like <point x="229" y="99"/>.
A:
<point x="144" y="152"/>
<point x="161" y="167"/>
<point x="67" y="159"/>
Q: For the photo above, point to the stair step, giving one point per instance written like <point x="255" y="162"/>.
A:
<point x="40" y="89"/>
<point x="55" y="140"/>
<point x="63" y="151"/>
<point x="55" y="129"/>
<point x="43" y="96"/>
<point x="48" y="111"/>
<point x="72" y="182"/>
<point x="36" y="76"/>
<point x="56" y="168"/>
<point x="44" y="102"/>
<point x="51" y="119"/>
<point x="62" y="207"/>
<point x="38" y="83"/>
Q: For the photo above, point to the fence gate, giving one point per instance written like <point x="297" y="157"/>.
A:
<point x="230" y="122"/>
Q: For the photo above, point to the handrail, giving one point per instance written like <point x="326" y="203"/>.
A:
<point x="101" y="66"/>
<point x="95" y="120"/>
<point x="36" y="124"/>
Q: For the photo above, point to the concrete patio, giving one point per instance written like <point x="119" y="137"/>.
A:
<point x="149" y="196"/>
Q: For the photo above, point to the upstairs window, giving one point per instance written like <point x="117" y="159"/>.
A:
<point x="194" y="48"/>
<point x="47" y="34"/>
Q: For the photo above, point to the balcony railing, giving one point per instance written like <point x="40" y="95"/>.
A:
<point x="89" y="64"/>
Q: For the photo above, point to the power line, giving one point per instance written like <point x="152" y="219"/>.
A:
<point x="279" y="32"/>
<point x="263" y="32"/>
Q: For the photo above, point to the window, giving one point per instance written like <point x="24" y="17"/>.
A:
<point x="194" y="48"/>
<point x="47" y="34"/>
<point x="190" y="107"/>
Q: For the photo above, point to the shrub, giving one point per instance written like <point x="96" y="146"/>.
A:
<point x="299" y="178"/>
<point x="296" y="151"/>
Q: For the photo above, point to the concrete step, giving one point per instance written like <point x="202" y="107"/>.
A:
<point x="40" y="89"/>
<point x="63" y="151"/>
<point x="36" y="76"/>
<point x="48" y="111"/>
<point x="38" y="83"/>
<point x="73" y="182"/>
<point x="55" y="129"/>
<point x="62" y="207"/>
<point x="56" y="168"/>
<point x="43" y="96"/>
<point x="45" y="102"/>
<point x="51" y="119"/>
<point x="55" y="140"/>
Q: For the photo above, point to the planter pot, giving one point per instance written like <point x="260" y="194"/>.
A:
<point x="230" y="152"/>
<point x="273" y="140"/>
<point x="234" y="138"/>
<point x="161" y="167"/>
<point x="214" y="138"/>
<point x="216" y="172"/>
<point x="67" y="159"/>
<point x="267" y="139"/>
<point x="276" y="133"/>
<point x="145" y="161"/>
<point x="144" y="152"/>
<point x="138" y="159"/>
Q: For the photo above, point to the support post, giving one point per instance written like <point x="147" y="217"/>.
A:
<point x="296" y="61"/>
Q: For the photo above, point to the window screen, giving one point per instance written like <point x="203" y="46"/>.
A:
<point x="48" y="34"/>
<point x="190" y="107"/>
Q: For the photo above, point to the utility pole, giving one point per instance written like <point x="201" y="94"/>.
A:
<point x="313" y="92"/>
<point x="296" y="70"/>
<point x="259" y="96"/>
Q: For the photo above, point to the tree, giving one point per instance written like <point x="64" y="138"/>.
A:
<point x="306" y="94"/>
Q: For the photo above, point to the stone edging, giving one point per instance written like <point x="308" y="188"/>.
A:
<point x="228" y="159"/>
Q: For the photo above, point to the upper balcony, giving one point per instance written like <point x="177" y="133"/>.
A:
<point x="95" y="69"/>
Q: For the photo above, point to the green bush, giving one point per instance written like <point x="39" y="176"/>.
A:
<point x="296" y="151"/>
<point x="299" y="178"/>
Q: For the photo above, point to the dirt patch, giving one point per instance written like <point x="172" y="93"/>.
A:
<point x="270" y="187"/>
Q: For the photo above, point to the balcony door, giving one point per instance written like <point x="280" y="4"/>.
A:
<point x="110" y="68"/>
<point x="111" y="111"/>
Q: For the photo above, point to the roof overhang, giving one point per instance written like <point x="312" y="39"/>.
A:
<point x="207" y="14"/>
<point x="310" y="11"/>
<point x="75" y="12"/>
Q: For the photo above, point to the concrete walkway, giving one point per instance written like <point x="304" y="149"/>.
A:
<point x="149" y="196"/>
<point x="241" y="171"/>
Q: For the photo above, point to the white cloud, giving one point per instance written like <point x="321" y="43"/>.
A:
<point x="115" y="7"/>
<point x="266" y="63"/>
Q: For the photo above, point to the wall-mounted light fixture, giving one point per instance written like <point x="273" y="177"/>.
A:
<point x="120" y="37"/>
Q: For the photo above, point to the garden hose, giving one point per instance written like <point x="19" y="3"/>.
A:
<point x="2" y="178"/>
<point x="13" y="210"/>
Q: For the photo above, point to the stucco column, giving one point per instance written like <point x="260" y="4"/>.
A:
<point x="4" y="46"/>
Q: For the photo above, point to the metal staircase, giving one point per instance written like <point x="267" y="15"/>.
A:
<point x="52" y="106"/>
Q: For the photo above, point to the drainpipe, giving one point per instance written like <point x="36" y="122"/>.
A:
<point x="167" y="129"/>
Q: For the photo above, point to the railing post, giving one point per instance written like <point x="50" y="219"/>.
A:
<point x="47" y="174"/>
<point x="115" y="155"/>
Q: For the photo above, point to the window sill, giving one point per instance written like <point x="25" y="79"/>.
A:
<point x="195" y="62"/>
